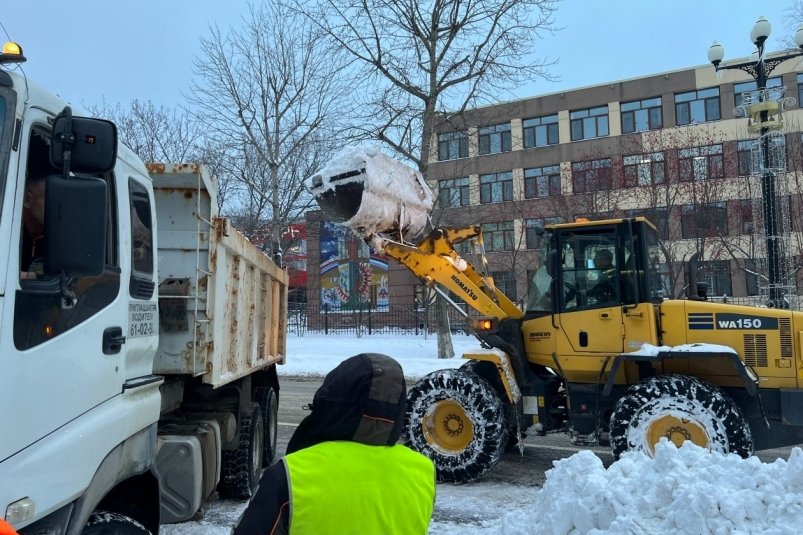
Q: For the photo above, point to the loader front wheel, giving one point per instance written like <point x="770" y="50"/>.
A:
<point x="455" y="418"/>
<point x="679" y="408"/>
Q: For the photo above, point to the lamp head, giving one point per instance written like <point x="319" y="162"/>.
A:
<point x="799" y="37"/>
<point x="760" y="32"/>
<point x="716" y="53"/>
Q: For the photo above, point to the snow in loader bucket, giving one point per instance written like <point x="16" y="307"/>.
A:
<point x="371" y="193"/>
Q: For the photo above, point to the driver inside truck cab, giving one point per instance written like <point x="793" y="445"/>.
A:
<point x="33" y="208"/>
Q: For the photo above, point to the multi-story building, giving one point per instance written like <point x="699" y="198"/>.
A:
<point x="669" y="146"/>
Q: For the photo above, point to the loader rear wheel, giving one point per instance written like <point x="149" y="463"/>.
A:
<point x="269" y="403"/>
<point x="678" y="408"/>
<point x="108" y="523"/>
<point x="242" y="466"/>
<point x="455" y="418"/>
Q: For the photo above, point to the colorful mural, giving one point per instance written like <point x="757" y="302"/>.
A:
<point x="352" y="276"/>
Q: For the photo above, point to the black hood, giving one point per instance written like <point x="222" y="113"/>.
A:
<point x="363" y="400"/>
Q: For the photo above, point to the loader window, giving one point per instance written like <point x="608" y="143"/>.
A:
<point x="588" y="264"/>
<point x="47" y="306"/>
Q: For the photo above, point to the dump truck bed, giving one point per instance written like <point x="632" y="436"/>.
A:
<point x="222" y="301"/>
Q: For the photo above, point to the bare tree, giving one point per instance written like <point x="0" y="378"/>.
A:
<point x="270" y="92"/>
<point x="156" y="134"/>
<point x="421" y="58"/>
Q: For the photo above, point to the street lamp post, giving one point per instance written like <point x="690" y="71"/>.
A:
<point x="759" y="70"/>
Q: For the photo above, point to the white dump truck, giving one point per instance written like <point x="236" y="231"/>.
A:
<point x="139" y="331"/>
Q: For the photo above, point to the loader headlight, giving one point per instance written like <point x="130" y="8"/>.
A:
<point x="484" y="325"/>
<point x="317" y="181"/>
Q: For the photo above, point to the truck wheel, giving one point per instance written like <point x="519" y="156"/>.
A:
<point x="455" y="418"/>
<point x="108" y="523"/>
<point x="679" y="408"/>
<point x="269" y="403"/>
<point x="242" y="467"/>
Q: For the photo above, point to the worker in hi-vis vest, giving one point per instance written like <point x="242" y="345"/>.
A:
<point x="343" y="471"/>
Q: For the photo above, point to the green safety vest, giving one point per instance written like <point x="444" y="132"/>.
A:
<point x="342" y="487"/>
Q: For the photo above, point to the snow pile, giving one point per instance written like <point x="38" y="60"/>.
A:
<point x="685" y="490"/>
<point x="395" y="196"/>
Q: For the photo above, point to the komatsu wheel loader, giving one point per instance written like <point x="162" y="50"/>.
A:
<point x="599" y="352"/>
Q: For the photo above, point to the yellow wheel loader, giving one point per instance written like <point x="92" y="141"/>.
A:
<point x="600" y="352"/>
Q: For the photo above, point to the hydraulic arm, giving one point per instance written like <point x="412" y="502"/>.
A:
<point x="435" y="261"/>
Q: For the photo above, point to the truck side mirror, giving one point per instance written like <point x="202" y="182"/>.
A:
<point x="75" y="226"/>
<point x="83" y="145"/>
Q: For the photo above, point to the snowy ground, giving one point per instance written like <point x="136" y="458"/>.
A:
<point x="684" y="491"/>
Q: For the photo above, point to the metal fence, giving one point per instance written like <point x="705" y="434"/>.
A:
<point x="794" y="302"/>
<point x="396" y="319"/>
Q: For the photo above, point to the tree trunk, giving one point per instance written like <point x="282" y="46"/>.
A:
<point x="445" y="349"/>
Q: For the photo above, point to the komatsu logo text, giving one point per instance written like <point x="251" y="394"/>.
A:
<point x="469" y="291"/>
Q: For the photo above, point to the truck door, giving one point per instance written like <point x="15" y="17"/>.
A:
<point x="57" y="356"/>
<point x="590" y="311"/>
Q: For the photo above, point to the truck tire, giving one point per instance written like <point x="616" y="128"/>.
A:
<point x="269" y="403"/>
<point x="455" y="418"/>
<point x="243" y="466"/>
<point x="679" y="408"/>
<point x="108" y="523"/>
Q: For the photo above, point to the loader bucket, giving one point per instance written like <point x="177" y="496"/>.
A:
<point x="341" y="203"/>
<point x="372" y="194"/>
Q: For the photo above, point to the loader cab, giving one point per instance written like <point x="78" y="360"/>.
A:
<point x="586" y="265"/>
<point x="597" y="285"/>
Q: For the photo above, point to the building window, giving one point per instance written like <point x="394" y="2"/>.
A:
<point x="497" y="187"/>
<point x="505" y="282"/>
<point x="745" y="207"/>
<point x="751" y="276"/>
<point x="494" y="139"/>
<point x="644" y="169"/>
<point x="589" y="123"/>
<point x="542" y="182"/>
<point x="700" y="163"/>
<point x="743" y="149"/>
<point x="697" y="106"/>
<point x="642" y="115"/>
<point x="591" y="175"/>
<point x="541" y="131"/>
<point x="800" y="90"/>
<point x="498" y="236"/>
<point x="453" y="192"/>
<point x="452" y="145"/>
<point x="704" y="220"/>
<point x="738" y="89"/>
<point x="717" y="274"/>
<point x="656" y="216"/>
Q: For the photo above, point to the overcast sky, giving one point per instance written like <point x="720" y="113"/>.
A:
<point x="89" y="50"/>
